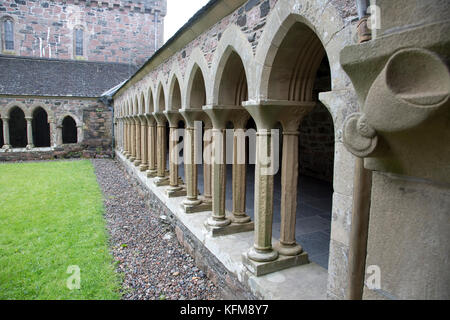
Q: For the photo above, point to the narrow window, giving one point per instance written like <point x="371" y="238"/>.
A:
<point x="8" y="28"/>
<point x="79" y="42"/>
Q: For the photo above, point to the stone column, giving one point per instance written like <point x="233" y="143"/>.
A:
<point x="239" y="171"/>
<point x="79" y="133"/>
<point x="151" y="172"/>
<point x="218" y="218"/>
<point x="207" y="167"/>
<point x="6" y="141"/>
<point x="29" y="133"/>
<point x="132" y="140"/>
<point x="125" y="136"/>
<point x="128" y="153"/>
<point x="262" y="249"/>
<point x="144" y="144"/>
<point x="59" y="135"/>
<point x="137" y="125"/>
<point x="161" y="178"/>
<point x="289" y="178"/>
<point x="290" y="120"/>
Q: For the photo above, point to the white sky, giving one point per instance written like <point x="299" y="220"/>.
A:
<point x="178" y="13"/>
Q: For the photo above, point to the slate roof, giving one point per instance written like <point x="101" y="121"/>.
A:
<point x="25" y="76"/>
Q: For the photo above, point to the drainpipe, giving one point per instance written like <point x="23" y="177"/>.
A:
<point x="364" y="33"/>
<point x="156" y="31"/>
<point x="362" y="187"/>
<point x="108" y="102"/>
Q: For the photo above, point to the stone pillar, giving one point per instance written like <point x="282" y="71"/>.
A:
<point x="59" y="135"/>
<point x="6" y="141"/>
<point x="289" y="178"/>
<point x="132" y="140"/>
<point x="174" y="190"/>
<point x="79" y="133"/>
<point x="125" y="137"/>
<point x="29" y="133"/>
<point x="144" y="144"/>
<point x="192" y="203"/>
<point x="266" y="115"/>
<point x="207" y="167"/>
<point x="239" y="171"/>
<point x="262" y="249"/>
<point x="128" y="154"/>
<point x="161" y="177"/>
<point x="219" y="180"/>
<point x="137" y="125"/>
<point x="151" y="172"/>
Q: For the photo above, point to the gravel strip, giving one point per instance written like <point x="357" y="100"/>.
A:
<point x="147" y="253"/>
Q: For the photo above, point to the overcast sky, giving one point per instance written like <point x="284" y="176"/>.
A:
<point x="178" y="13"/>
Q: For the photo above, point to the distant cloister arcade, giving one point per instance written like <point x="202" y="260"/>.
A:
<point x="30" y="127"/>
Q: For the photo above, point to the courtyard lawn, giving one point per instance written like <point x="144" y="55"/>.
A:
<point x="51" y="217"/>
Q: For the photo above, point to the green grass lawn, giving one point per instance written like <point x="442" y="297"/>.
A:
<point x="51" y="217"/>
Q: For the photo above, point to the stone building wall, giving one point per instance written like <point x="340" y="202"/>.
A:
<point x="114" y="30"/>
<point x="93" y="117"/>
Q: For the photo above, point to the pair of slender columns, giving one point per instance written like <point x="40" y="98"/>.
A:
<point x="192" y="202"/>
<point x="161" y="177"/>
<point x="266" y="115"/>
<point x="173" y="117"/>
<point x="220" y="116"/>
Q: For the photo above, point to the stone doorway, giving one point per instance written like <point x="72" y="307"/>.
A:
<point x="17" y="128"/>
<point x="69" y="130"/>
<point x="41" y="128"/>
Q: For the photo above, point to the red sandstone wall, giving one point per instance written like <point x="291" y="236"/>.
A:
<point x="115" y="30"/>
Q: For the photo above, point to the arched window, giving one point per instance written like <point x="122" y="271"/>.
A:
<point x="8" y="34"/>
<point x="79" y="44"/>
<point x="69" y="130"/>
<point x="41" y="128"/>
<point x="17" y="128"/>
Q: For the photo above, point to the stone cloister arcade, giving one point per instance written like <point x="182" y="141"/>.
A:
<point x="35" y="127"/>
<point x="289" y="89"/>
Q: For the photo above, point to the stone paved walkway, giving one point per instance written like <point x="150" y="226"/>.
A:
<point x="147" y="253"/>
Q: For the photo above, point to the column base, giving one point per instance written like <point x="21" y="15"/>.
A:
<point x="288" y="250"/>
<point x="196" y="206"/>
<point x="6" y="147"/>
<point x="143" y="167"/>
<point x="240" y="219"/>
<point x="283" y="262"/>
<point x="151" y="173"/>
<point x="161" y="181"/>
<point x="29" y="147"/>
<point x="175" y="192"/>
<point x="231" y="228"/>
<point x="131" y="158"/>
<point x="137" y="163"/>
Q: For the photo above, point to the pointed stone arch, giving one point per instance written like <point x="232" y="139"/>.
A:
<point x="174" y="93"/>
<point x="233" y="40"/>
<point x="160" y="98"/>
<point x="197" y="63"/>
